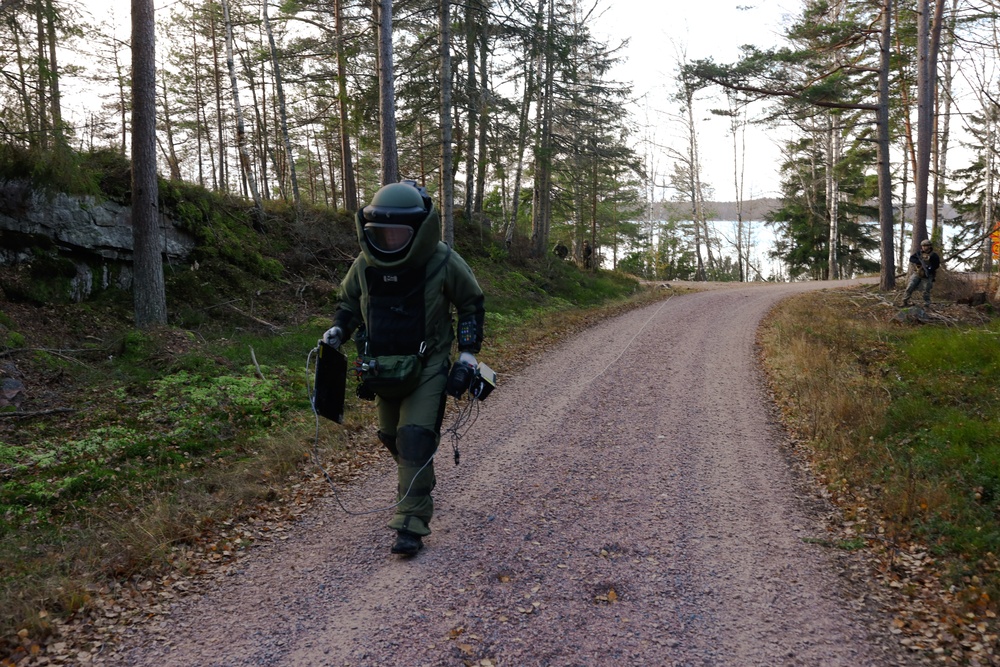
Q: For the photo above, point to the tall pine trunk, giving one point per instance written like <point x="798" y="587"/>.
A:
<point x="387" y="95"/>
<point x="542" y="194"/>
<point x="55" y="97"/>
<point x="888" y="274"/>
<point x="149" y="293"/>
<point x="447" y="192"/>
<point x="928" y="41"/>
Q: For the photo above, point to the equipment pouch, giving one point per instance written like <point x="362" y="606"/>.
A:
<point x="389" y="376"/>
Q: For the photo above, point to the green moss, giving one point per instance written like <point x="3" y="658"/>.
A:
<point x="13" y="339"/>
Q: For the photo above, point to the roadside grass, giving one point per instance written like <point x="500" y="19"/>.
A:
<point x="902" y="423"/>
<point x="178" y="433"/>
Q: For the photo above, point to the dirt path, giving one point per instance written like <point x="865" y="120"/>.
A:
<point x="624" y="501"/>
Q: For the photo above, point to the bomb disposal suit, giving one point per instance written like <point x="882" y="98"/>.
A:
<point x="398" y="297"/>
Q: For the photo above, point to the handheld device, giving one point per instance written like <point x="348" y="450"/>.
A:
<point x="330" y="383"/>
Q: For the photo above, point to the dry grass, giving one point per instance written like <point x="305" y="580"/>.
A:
<point x="903" y="440"/>
<point x="830" y="390"/>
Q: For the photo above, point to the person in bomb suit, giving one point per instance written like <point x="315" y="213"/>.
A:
<point x="398" y="296"/>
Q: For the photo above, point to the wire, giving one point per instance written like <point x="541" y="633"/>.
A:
<point x="631" y="340"/>
<point x="464" y="420"/>
<point x="462" y="417"/>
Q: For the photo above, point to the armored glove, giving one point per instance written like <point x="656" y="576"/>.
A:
<point x="463" y="372"/>
<point x="334" y="337"/>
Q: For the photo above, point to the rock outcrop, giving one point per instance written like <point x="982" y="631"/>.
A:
<point x="95" y="235"/>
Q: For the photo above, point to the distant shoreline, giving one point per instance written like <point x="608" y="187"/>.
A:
<point x="753" y="209"/>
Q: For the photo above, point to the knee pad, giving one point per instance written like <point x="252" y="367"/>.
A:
<point x="416" y="444"/>
<point x="389" y="442"/>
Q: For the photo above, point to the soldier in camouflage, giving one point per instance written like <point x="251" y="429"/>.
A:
<point x="923" y="269"/>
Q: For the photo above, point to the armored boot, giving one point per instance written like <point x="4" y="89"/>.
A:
<point x="415" y="478"/>
<point x="407" y="544"/>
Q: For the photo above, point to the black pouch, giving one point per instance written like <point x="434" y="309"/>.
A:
<point x="330" y="383"/>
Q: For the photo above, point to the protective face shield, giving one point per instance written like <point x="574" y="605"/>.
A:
<point x="388" y="239"/>
<point x="392" y="219"/>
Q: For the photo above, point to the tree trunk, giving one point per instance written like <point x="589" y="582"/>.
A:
<point x="387" y="95"/>
<point x="902" y="212"/>
<point x="928" y="41"/>
<point x="694" y="187"/>
<point x="944" y="122"/>
<point x="241" y="137"/>
<point x="542" y="203"/>
<point x="988" y="196"/>
<point x="149" y="293"/>
<point x="200" y="125"/>
<point x="170" y="149"/>
<point x="263" y="134"/>
<point x="23" y="85"/>
<point x="833" y="194"/>
<point x="322" y="171"/>
<point x="739" y="160"/>
<point x="42" y="86"/>
<point x="55" y="97"/>
<point x="594" y="176"/>
<point x="447" y="193"/>
<point x="484" y="118"/>
<point x="282" y="113"/>
<point x="221" y="179"/>
<point x="349" y="185"/>
<point x="531" y="61"/>
<point x="470" y="96"/>
<point x="330" y="166"/>
<point x="887" y="278"/>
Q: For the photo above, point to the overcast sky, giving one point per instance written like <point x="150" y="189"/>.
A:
<point x="658" y="32"/>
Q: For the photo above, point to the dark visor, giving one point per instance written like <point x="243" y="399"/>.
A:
<point x="388" y="238"/>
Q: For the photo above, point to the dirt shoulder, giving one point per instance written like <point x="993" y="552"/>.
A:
<point x="627" y="499"/>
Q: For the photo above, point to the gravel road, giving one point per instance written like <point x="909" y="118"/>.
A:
<point x="625" y="500"/>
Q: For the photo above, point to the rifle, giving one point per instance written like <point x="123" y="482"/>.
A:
<point x="923" y="265"/>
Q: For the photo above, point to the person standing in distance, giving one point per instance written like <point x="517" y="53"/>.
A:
<point x="923" y="268"/>
<point x="398" y="296"/>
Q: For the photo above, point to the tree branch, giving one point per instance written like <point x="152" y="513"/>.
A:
<point x="38" y="413"/>
<point x="794" y="94"/>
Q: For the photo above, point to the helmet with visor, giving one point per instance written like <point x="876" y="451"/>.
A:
<point x="392" y="219"/>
